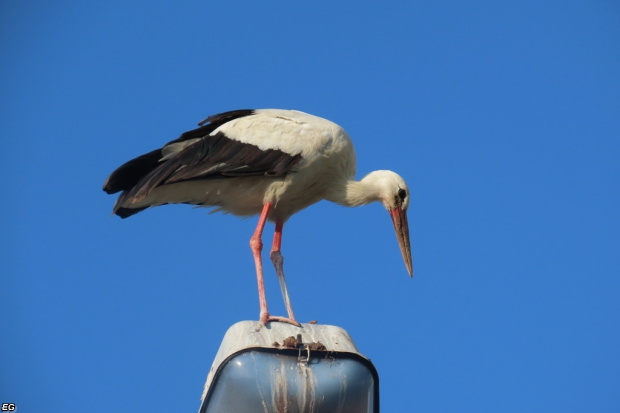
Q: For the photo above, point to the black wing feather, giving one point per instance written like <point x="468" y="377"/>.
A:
<point x="129" y="174"/>
<point x="124" y="177"/>
<point x="211" y="157"/>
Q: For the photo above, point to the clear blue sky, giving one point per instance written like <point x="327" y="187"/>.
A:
<point x="502" y="116"/>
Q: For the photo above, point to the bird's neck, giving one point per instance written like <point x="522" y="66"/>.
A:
<point x="355" y="193"/>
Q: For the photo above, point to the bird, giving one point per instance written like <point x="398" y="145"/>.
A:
<point x="267" y="162"/>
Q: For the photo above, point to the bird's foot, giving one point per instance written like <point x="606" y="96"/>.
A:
<point x="266" y="317"/>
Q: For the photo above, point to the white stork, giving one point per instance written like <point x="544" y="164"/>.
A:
<point x="269" y="162"/>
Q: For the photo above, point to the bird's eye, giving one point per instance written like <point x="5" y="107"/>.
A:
<point x="402" y="194"/>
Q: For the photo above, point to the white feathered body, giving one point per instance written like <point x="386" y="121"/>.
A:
<point x="327" y="164"/>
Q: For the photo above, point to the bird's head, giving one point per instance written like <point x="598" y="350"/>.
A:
<point x="393" y="193"/>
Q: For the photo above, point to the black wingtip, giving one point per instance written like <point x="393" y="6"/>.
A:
<point x="127" y="212"/>
<point x="130" y="173"/>
<point x="108" y="188"/>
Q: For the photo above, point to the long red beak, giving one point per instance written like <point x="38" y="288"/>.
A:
<point x="399" y="218"/>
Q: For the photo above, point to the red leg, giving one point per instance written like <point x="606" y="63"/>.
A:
<point x="256" y="244"/>
<point x="278" y="261"/>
